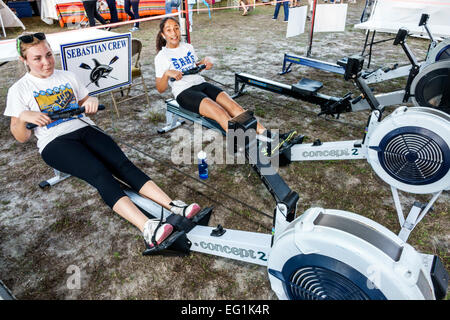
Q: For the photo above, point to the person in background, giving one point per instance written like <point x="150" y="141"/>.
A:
<point x="112" y="11"/>
<point x="310" y="11"/>
<point x="132" y="4"/>
<point x="171" y="4"/>
<point x="277" y="9"/>
<point x="243" y="4"/>
<point x="191" y="4"/>
<point x="90" y="7"/>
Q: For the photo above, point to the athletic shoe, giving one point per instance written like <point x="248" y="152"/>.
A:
<point x="162" y="232"/>
<point x="134" y="29"/>
<point x="182" y="209"/>
<point x="274" y="18"/>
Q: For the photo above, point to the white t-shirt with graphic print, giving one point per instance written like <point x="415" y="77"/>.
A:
<point x="47" y="95"/>
<point x="181" y="58"/>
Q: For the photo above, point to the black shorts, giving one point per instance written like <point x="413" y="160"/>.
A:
<point x="190" y="98"/>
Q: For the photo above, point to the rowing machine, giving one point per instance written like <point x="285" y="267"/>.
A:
<point x="436" y="52"/>
<point x="408" y="149"/>
<point x="324" y="253"/>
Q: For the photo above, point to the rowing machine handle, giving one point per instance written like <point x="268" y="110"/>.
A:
<point x="81" y="110"/>
<point x="191" y="71"/>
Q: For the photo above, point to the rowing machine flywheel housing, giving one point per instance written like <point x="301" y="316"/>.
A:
<point x="409" y="149"/>
<point x="333" y="254"/>
<point x="430" y="88"/>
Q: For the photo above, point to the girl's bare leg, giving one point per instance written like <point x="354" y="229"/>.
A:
<point x="127" y="210"/>
<point x="212" y="110"/>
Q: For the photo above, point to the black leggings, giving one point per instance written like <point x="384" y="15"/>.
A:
<point x="135" y="14"/>
<point x="91" y="11"/>
<point x="93" y="156"/>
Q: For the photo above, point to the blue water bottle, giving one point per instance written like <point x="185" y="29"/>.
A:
<point x="202" y="165"/>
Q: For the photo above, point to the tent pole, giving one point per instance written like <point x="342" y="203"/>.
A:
<point x="311" y="33"/>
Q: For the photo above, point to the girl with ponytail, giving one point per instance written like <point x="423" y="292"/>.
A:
<point x="192" y="92"/>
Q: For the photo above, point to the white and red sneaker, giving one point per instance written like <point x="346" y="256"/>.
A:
<point x="161" y="232"/>
<point x="182" y="209"/>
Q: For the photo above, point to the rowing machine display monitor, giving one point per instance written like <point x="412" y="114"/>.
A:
<point x="423" y="22"/>
<point x="401" y="36"/>
<point x="353" y="67"/>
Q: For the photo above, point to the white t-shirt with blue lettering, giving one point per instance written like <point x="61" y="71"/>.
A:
<point x="48" y="95"/>
<point x="181" y="58"/>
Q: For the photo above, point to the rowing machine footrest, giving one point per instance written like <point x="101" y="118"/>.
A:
<point x="181" y="223"/>
<point x="401" y="36"/>
<point x="342" y="62"/>
<point x="307" y="86"/>
<point x="288" y="145"/>
<point x="177" y="241"/>
<point x="202" y="218"/>
<point x="285" y="150"/>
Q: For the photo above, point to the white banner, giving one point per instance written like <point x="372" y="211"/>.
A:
<point x="101" y="64"/>
<point x="296" y="22"/>
<point x="330" y="17"/>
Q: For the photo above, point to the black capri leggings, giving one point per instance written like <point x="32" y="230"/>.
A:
<point x="191" y="98"/>
<point x="94" y="157"/>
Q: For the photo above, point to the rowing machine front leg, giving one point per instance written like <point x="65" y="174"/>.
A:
<point x="59" y="176"/>
<point x="172" y="122"/>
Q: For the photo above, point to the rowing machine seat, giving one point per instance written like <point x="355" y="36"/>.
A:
<point x="307" y="86"/>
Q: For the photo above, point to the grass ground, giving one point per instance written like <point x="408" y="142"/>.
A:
<point x="44" y="234"/>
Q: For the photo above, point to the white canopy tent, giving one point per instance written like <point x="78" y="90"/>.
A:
<point x="391" y="15"/>
<point x="8" y="19"/>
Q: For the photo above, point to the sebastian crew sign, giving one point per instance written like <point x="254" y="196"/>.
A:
<point x="101" y="64"/>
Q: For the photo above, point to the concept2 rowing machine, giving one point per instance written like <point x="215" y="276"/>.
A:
<point x="324" y="253"/>
<point x="408" y="149"/>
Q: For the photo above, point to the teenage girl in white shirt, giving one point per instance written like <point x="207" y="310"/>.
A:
<point x="75" y="147"/>
<point x="192" y="92"/>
